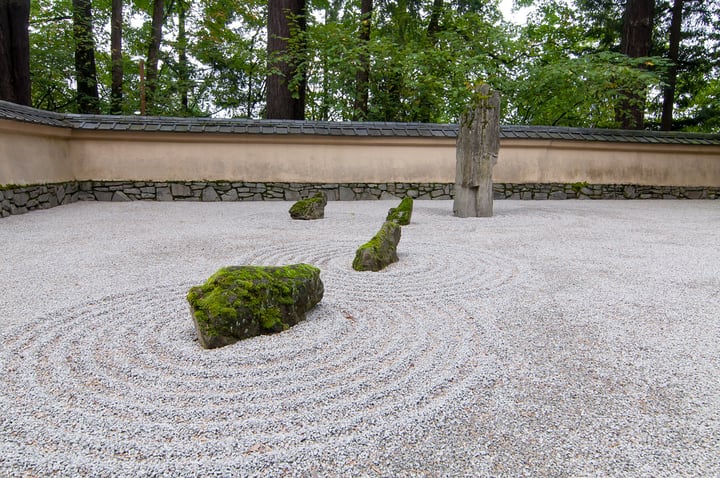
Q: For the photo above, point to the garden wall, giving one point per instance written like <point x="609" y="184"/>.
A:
<point x="48" y="159"/>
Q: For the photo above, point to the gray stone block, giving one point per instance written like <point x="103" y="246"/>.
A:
<point x="180" y="190"/>
<point x="209" y="194"/>
<point x="163" y="194"/>
<point x="103" y="196"/>
<point x="346" y="194"/>
<point x="119" y="196"/>
<point x="20" y="199"/>
<point x="292" y="195"/>
<point x="386" y="196"/>
<point x="231" y="195"/>
<point x="695" y="194"/>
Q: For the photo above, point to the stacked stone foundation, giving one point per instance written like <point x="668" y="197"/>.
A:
<point x="21" y="199"/>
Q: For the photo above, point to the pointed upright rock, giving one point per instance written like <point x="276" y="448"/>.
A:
<point x="478" y="144"/>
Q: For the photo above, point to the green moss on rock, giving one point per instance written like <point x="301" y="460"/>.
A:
<point x="239" y="302"/>
<point x="401" y="215"/>
<point x="380" y="251"/>
<point x="310" y="208"/>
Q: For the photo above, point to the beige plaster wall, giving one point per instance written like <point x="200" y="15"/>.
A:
<point x="32" y="154"/>
<point x="530" y="161"/>
<point x="263" y="158"/>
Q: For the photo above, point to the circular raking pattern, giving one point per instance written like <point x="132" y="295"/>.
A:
<point x="121" y="385"/>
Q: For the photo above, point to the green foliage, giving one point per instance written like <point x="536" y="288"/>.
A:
<point x="561" y="68"/>
<point x="577" y="187"/>
<point x="230" y="45"/>
<point x="52" y="63"/>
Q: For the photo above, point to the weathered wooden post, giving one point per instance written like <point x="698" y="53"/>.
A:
<point x="477" y="151"/>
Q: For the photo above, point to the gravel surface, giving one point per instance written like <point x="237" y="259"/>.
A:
<point x="563" y="338"/>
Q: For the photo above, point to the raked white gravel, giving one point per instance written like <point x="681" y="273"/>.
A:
<point x="564" y="338"/>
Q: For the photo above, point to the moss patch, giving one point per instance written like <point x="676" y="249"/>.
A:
<point x="310" y="208"/>
<point x="579" y="186"/>
<point x="238" y="302"/>
<point x="380" y="251"/>
<point x="402" y="214"/>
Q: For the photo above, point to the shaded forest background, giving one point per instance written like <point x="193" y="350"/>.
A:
<point x="588" y="63"/>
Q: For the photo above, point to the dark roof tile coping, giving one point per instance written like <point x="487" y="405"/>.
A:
<point x="364" y="129"/>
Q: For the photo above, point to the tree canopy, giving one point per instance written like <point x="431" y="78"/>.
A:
<point x="404" y="60"/>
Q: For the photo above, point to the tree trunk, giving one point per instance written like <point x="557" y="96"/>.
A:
<point x="88" y="99"/>
<point x="635" y="43"/>
<point x="673" y="54"/>
<point x="362" y="77"/>
<point x="116" y="89"/>
<point x="434" y="23"/>
<point x="184" y="80"/>
<point x="285" y="92"/>
<point x="158" y="17"/>
<point x="15" y="51"/>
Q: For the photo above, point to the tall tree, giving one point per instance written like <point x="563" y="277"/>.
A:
<point x="15" y="51"/>
<point x="183" y="66"/>
<point x="434" y="24"/>
<point x="158" y="18"/>
<point x="116" y="89"/>
<point x="88" y="100"/>
<point x="362" y="77"/>
<point x="286" y="81"/>
<point x="673" y="56"/>
<point x="636" y="42"/>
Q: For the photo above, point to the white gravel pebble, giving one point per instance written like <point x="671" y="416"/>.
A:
<point x="561" y="338"/>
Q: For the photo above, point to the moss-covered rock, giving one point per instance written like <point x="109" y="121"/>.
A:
<point x="401" y="215"/>
<point x="239" y="302"/>
<point x="310" y="208"/>
<point x="380" y="251"/>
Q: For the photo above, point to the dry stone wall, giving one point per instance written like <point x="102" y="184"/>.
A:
<point x="21" y="199"/>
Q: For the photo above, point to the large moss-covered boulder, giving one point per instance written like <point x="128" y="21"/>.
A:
<point x="239" y="302"/>
<point x="380" y="251"/>
<point x="310" y="208"/>
<point x="401" y="215"/>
